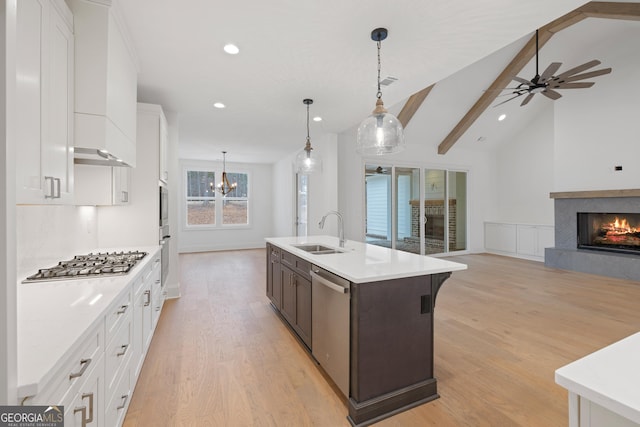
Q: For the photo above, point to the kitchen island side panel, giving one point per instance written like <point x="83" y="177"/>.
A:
<point x="391" y="336"/>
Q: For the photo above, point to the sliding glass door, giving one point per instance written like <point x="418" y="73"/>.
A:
<point x="418" y="210"/>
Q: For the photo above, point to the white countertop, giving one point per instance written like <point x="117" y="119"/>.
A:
<point x="54" y="315"/>
<point x="609" y="377"/>
<point x="363" y="263"/>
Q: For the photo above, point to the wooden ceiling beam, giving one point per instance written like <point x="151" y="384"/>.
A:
<point x="411" y="106"/>
<point x="606" y="10"/>
<point x="627" y="11"/>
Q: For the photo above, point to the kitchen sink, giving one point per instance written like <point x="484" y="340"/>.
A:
<point x="317" y="249"/>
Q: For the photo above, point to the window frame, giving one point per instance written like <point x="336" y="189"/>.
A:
<point x="217" y="198"/>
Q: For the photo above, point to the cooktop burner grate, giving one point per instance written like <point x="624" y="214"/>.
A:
<point x="89" y="266"/>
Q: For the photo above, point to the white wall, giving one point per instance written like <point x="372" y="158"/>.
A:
<point x="260" y="212"/>
<point x="524" y="173"/>
<point x="323" y="191"/>
<point x="173" y="279"/>
<point x="598" y="128"/>
<point x="421" y="151"/>
<point x="49" y="234"/>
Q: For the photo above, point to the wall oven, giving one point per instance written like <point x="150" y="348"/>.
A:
<point x="164" y="233"/>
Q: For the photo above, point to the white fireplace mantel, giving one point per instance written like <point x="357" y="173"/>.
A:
<point x="595" y="194"/>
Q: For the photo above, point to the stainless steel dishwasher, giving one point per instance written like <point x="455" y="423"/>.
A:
<point x="330" y="304"/>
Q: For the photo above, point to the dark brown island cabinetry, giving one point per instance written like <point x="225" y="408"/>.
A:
<point x="289" y="288"/>
<point x="390" y="326"/>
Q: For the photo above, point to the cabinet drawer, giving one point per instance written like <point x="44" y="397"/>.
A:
<point x="116" y="313"/>
<point x="74" y="371"/>
<point x="117" y="355"/>
<point x="85" y="407"/>
<point x="298" y="265"/>
<point x="118" y="404"/>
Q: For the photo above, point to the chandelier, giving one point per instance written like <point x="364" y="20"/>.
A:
<point x="223" y="186"/>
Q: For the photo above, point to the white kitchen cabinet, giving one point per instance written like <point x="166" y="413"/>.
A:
<point x="86" y="408"/>
<point x="45" y="101"/>
<point x="102" y="185"/>
<point x="526" y="241"/>
<point x="106" y="80"/>
<point x="164" y="135"/>
<point x="144" y="313"/>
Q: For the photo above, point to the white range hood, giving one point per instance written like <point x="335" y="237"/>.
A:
<point x="106" y="85"/>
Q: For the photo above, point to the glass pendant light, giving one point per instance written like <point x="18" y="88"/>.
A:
<point x="306" y="161"/>
<point x="381" y="132"/>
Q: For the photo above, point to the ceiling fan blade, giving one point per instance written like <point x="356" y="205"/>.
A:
<point x="578" y="85"/>
<point x="517" y="93"/>
<point x="588" y="75"/>
<point x="521" y="80"/>
<point x="527" y="99"/>
<point x="548" y="73"/>
<point x="514" y="97"/>
<point x="579" y="69"/>
<point x="552" y="94"/>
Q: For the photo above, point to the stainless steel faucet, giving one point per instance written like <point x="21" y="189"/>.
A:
<point x="340" y="225"/>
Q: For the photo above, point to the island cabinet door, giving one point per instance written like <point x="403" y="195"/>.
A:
<point x="303" y="308"/>
<point x="274" y="280"/>
<point x="288" y="295"/>
<point x="392" y="338"/>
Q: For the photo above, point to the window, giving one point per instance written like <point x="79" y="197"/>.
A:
<point x="201" y="203"/>
<point x="207" y="207"/>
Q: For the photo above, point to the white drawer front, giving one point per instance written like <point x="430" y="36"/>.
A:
<point x="119" y="402"/>
<point x="74" y="371"/>
<point x="116" y="313"/>
<point x="117" y="355"/>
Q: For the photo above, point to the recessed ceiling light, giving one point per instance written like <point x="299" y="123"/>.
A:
<point x="219" y="105"/>
<point x="502" y="117"/>
<point x="231" y="49"/>
<point x="317" y="119"/>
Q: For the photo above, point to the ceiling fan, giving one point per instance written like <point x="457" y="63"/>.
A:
<point x="546" y="83"/>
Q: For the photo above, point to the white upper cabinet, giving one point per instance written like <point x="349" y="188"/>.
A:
<point x="44" y="86"/>
<point x="152" y="135"/>
<point x="164" y="171"/>
<point x="106" y="80"/>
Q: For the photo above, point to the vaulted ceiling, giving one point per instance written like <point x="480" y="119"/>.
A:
<point x="291" y="50"/>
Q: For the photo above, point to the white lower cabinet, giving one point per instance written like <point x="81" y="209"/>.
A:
<point x="87" y="405"/>
<point x="96" y="382"/>
<point x="518" y="240"/>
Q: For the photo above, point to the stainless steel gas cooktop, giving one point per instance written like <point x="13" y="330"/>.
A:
<point x="89" y="266"/>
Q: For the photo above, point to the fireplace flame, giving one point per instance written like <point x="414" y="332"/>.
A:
<point x="620" y="226"/>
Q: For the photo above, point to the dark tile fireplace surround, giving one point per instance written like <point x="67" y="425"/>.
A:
<point x="566" y="255"/>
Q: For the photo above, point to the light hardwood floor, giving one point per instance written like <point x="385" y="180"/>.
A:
<point x="222" y="357"/>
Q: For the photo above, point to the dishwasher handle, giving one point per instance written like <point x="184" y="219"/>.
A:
<point x="329" y="284"/>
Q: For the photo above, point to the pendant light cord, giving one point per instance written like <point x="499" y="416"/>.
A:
<point x="379" y="94"/>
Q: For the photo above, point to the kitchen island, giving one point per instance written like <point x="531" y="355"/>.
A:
<point x="391" y="299"/>
<point x="604" y="386"/>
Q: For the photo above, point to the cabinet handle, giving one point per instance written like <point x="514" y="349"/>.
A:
<point x="125" y="196"/>
<point x="57" y="181"/>
<point x="51" y="194"/>
<point x="123" y="309"/>
<point x="158" y="282"/>
<point x="85" y="364"/>
<point x="124" y="348"/>
<point x="82" y="409"/>
<point x="148" y="301"/>
<point x="90" y="396"/>
<point x="124" y="398"/>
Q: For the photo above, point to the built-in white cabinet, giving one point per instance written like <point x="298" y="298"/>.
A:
<point x="102" y="185"/>
<point x="96" y="380"/>
<point x="163" y="173"/>
<point x="45" y="101"/>
<point x="106" y="80"/>
<point x="518" y="240"/>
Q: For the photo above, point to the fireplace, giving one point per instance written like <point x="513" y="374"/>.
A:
<point x="615" y="232"/>
<point x="587" y="238"/>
